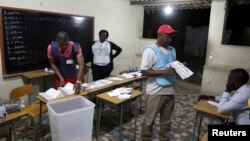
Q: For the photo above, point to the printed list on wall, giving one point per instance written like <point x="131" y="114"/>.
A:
<point x="27" y="35"/>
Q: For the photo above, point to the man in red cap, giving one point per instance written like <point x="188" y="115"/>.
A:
<point x="155" y="64"/>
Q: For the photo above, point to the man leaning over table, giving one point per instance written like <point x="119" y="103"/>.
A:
<point x="63" y="56"/>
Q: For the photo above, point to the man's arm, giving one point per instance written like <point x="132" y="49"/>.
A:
<point x="56" y="70"/>
<point x="80" y="62"/>
<point x="117" y="49"/>
<point x="80" y="78"/>
<point x="150" y="72"/>
<point x="148" y="60"/>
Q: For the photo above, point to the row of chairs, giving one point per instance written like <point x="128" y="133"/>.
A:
<point x="33" y="109"/>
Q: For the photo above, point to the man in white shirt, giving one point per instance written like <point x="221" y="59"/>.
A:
<point x="160" y="90"/>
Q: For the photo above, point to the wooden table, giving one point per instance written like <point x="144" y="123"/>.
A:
<point x="10" y="120"/>
<point x="203" y="109"/>
<point x="37" y="74"/>
<point x="105" y="98"/>
<point x="204" y="137"/>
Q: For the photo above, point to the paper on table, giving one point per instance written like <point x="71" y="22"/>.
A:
<point x="104" y="81"/>
<point x="127" y="75"/>
<point x="136" y="74"/>
<point x="114" y="78"/>
<point x="124" y="96"/>
<point x="120" y="91"/>
<point x="181" y="70"/>
<point x="68" y="89"/>
<point x="51" y="94"/>
<point x="213" y="103"/>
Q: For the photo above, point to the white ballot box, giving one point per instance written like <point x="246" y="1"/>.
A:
<point x="71" y="119"/>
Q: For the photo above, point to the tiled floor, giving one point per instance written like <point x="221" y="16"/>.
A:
<point x="181" y="128"/>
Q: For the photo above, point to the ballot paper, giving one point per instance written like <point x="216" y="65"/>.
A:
<point x="96" y="84"/>
<point x="105" y="81"/>
<point x="127" y="75"/>
<point x="114" y="78"/>
<point x="213" y="103"/>
<point x="181" y="70"/>
<point x="122" y="93"/>
<point x="68" y="89"/>
<point x="136" y="74"/>
<point x="51" y="94"/>
<point x="124" y="96"/>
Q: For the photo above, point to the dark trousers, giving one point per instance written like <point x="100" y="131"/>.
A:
<point x="101" y="72"/>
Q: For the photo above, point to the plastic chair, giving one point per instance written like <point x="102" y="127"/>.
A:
<point x="33" y="109"/>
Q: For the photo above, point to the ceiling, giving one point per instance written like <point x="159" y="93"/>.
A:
<point x="179" y="4"/>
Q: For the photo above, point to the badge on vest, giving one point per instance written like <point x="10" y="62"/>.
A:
<point x="69" y="61"/>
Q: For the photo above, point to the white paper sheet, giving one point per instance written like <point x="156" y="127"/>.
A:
<point x="51" y="94"/>
<point x="213" y="103"/>
<point x="68" y="89"/>
<point x="181" y="70"/>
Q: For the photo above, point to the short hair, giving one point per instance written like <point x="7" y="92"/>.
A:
<point x="62" y="36"/>
<point x="240" y="75"/>
<point x="104" y="31"/>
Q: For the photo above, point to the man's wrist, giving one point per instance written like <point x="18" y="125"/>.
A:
<point x="79" y="82"/>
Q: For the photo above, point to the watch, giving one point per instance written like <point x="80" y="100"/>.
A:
<point x="79" y="82"/>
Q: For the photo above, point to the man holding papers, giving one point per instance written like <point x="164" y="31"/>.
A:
<point x="156" y="64"/>
<point x="63" y="56"/>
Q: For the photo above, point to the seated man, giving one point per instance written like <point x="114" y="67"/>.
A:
<point x="237" y="103"/>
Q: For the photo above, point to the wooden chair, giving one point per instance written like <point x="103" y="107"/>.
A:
<point x="33" y="109"/>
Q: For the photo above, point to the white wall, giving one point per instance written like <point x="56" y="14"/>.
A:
<point x="123" y="21"/>
<point x="221" y="58"/>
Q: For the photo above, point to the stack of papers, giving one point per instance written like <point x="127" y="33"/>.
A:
<point x="68" y="89"/>
<point x="114" y="79"/>
<point x="51" y="94"/>
<point x="181" y="70"/>
<point x="122" y="93"/>
<point x="104" y="81"/>
<point x="127" y="75"/>
<point x="96" y="84"/>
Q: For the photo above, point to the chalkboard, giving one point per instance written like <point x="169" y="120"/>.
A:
<point x="27" y="34"/>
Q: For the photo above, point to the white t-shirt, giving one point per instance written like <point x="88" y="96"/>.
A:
<point x="148" y="62"/>
<point x="101" y="52"/>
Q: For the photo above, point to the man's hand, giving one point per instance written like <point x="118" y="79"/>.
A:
<point x="169" y="71"/>
<point x="62" y="82"/>
<point x="77" y="87"/>
<point x="185" y="64"/>
<point x="230" y="87"/>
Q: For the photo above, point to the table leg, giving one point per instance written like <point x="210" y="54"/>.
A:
<point x="121" y="120"/>
<point x="199" y="128"/>
<point x="136" y="110"/>
<point x="44" y="84"/>
<point x="195" y="122"/>
<point x="98" y="119"/>
<point x="14" y="129"/>
<point x="40" y="118"/>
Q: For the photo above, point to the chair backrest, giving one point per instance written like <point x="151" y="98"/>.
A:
<point x="20" y="91"/>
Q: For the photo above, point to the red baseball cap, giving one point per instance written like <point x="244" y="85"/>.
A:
<point x="166" y="29"/>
